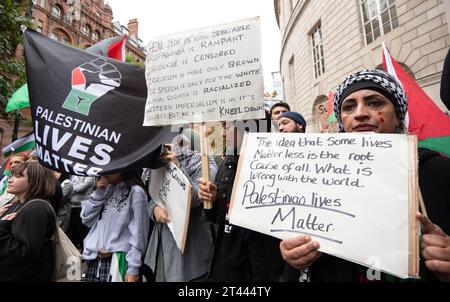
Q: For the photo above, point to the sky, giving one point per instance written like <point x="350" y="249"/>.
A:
<point x="163" y="17"/>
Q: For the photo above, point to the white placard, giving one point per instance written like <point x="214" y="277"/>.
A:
<point x="348" y="191"/>
<point x="205" y="75"/>
<point x="171" y="190"/>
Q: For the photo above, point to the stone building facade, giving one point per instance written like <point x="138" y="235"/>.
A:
<point x="80" y="23"/>
<point x="323" y="41"/>
<point x="83" y="23"/>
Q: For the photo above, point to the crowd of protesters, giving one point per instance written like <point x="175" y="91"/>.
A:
<point x="113" y="221"/>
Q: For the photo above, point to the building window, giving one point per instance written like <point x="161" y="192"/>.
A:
<point x="317" y="52"/>
<point x="86" y="30"/>
<point x="40" y="26"/>
<point x="42" y="3"/>
<point x="292" y="77"/>
<point x="95" y="36"/>
<point x="379" y="17"/>
<point x="56" y="12"/>
<point x="68" y="19"/>
<point x="54" y="36"/>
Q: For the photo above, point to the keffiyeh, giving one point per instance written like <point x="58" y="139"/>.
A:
<point x="376" y="80"/>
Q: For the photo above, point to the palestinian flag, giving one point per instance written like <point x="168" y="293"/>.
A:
<point x="19" y="99"/>
<point x="87" y="110"/>
<point x="331" y="116"/>
<point x="424" y="118"/>
<point x="111" y="47"/>
<point x="22" y="144"/>
<point x="118" y="267"/>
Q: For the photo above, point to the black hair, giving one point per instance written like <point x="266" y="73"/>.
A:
<point x="279" y="104"/>
<point x="132" y="178"/>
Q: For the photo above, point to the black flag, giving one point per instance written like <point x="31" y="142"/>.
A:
<point x="88" y="110"/>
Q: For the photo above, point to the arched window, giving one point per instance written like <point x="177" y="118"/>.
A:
<point x="54" y="36"/>
<point x="317" y="48"/>
<point x="94" y="36"/>
<point x="86" y="30"/>
<point x="56" y="12"/>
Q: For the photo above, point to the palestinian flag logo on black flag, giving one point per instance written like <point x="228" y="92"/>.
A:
<point x="88" y="110"/>
<point x="90" y="81"/>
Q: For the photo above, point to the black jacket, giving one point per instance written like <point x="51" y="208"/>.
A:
<point x="239" y="254"/>
<point x="26" y="248"/>
<point x="434" y="182"/>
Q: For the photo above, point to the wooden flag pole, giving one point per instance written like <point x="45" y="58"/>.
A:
<point x="205" y="160"/>
<point x="423" y="209"/>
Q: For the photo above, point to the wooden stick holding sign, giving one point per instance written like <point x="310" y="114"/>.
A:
<point x="205" y="160"/>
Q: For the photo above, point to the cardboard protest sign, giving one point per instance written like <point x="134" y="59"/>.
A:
<point x="171" y="190"/>
<point x="205" y="75"/>
<point x="355" y="193"/>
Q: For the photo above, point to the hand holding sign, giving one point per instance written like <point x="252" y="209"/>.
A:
<point x="435" y="248"/>
<point x="300" y="252"/>
<point x="207" y="191"/>
<point x="161" y="215"/>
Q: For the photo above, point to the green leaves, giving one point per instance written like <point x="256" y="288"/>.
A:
<point x="12" y="70"/>
<point x="129" y="58"/>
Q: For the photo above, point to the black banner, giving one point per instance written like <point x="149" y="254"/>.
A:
<point x="88" y="110"/>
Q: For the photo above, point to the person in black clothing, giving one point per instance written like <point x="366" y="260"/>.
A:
<point x="26" y="231"/>
<point x="239" y="254"/>
<point x="374" y="101"/>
